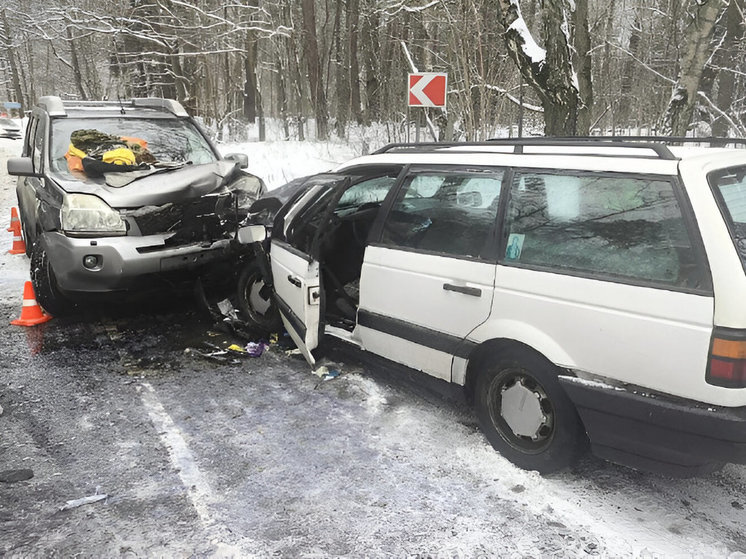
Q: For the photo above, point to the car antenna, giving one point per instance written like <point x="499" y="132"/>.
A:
<point x="121" y="105"/>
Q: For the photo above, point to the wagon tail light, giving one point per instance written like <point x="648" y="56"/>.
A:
<point x="727" y="363"/>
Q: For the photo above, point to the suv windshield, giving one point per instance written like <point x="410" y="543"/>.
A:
<point x="167" y="140"/>
<point x="729" y="186"/>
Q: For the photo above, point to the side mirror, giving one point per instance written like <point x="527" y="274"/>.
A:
<point x="252" y="234"/>
<point x="241" y="158"/>
<point x="21" y="167"/>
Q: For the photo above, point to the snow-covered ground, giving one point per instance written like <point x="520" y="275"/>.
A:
<point x="422" y="473"/>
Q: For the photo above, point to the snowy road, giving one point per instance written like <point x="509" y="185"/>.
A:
<point x="262" y="458"/>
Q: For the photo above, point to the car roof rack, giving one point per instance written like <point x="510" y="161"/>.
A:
<point x="658" y="145"/>
<point x="55" y="106"/>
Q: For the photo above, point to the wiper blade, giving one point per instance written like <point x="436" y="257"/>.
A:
<point x="120" y="179"/>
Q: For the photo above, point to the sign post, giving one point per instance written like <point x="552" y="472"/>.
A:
<point x="425" y="89"/>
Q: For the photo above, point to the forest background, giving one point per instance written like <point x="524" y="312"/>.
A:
<point x="327" y="67"/>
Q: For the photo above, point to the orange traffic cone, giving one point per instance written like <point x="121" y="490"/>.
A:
<point x="15" y="223"/>
<point x="19" y="246"/>
<point x="31" y="313"/>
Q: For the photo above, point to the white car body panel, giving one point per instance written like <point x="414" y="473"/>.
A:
<point x="409" y="286"/>
<point x="728" y="278"/>
<point x="639" y="335"/>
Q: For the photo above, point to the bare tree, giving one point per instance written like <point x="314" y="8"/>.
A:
<point x="313" y="62"/>
<point x="550" y="72"/>
<point x="678" y="114"/>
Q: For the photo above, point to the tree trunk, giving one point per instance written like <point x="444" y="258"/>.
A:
<point x="341" y="65"/>
<point x="76" y="65"/>
<point x="372" y="57"/>
<point x="250" y="91"/>
<point x="311" y="47"/>
<point x="582" y="61"/>
<point x="551" y="75"/>
<point x="353" y="25"/>
<point x="726" y="78"/>
<point x="678" y="114"/>
<point x="10" y="51"/>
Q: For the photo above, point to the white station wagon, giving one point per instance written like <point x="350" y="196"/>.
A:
<point x="583" y="291"/>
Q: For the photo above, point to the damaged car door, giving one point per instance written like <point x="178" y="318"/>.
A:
<point x="298" y="232"/>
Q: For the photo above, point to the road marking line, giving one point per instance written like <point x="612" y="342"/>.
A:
<point x="199" y="492"/>
<point x="198" y="488"/>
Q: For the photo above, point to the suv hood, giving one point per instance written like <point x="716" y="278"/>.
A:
<point x="175" y="185"/>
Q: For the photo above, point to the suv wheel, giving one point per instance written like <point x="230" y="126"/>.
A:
<point x="526" y="415"/>
<point x="255" y="301"/>
<point x="45" y="284"/>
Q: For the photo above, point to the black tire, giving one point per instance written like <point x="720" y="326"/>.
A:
<point x="521" y="388"/>
<point x="255" y="301"/>
<point x="43" y="279"/>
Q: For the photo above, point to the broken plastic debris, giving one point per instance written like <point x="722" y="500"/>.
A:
<point x="255" y="349"/>
<point x="237" y="348"/>
<point x="325" y="373"/>
<point x="83" y="501"/>
<point x="293" y="352"/>
<point x="226" y="309"/>
<point x="219" y="356"/>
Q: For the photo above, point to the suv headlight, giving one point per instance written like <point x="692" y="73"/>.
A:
<point x="84" y="214"/>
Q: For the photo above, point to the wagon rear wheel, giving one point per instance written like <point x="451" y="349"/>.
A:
<point x="526" y="415"/>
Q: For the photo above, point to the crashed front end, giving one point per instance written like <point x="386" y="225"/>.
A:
<point x="187" y="221"/>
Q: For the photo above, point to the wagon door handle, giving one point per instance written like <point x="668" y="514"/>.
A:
<point x="295" y="281"/>
<point x="472" y="291"/>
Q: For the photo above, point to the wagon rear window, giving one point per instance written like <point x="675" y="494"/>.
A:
<point x="729" y="186"/>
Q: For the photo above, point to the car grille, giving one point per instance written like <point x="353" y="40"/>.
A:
<point x="199" y="220"/>
<point x="160" y="219"/>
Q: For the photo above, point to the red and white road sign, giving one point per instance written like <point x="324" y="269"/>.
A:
<point x="427" y="89"/>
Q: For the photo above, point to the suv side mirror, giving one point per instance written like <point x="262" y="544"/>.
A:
<point x="21" y="167"/>
<point x="241" y="158"/>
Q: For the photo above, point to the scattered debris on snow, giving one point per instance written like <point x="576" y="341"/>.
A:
<point x="325" y="372"/>
<point x="75" y="503"/>
<point x="218" y="356"/>
<point x="256" y="349"/>
<point x="227" y="310"/>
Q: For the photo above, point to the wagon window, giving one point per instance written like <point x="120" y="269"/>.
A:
<point x="445" y="212"/>
<point x="607" y="226"/>
<point x="729" y="186"/>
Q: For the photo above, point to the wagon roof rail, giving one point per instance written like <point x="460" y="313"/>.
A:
<point x="646" y="146"/>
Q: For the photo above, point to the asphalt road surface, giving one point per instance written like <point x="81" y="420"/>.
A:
<point x="118" y="437"/>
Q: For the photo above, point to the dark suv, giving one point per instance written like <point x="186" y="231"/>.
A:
<point x="112" y="193"/>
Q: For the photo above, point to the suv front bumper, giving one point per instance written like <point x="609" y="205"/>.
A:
<point x="658" y="433"/>
<point x="122" y="260"/>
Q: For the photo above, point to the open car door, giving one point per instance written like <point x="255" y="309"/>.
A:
<point x="299" y="228"/>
